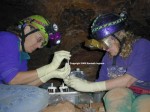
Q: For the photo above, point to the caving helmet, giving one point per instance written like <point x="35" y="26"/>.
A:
<point x="107" y="24"/>
<point x="48" y="30"/>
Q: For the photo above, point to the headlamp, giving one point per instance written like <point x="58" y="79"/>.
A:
<point x="93" y="44"/>
<point x="54" y="38"/>
<point x="55" y="27"/>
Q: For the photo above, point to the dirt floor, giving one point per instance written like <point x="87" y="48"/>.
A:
<point x="69" y="107"/>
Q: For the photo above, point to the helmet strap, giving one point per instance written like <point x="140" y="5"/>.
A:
<point x="120" y="49"/>
<point x="23" y="36"/>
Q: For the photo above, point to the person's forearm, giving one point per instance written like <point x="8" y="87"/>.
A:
<point x="122" y="81"/>
<point x="36" y="83"/>
<point x="28" y="77"/>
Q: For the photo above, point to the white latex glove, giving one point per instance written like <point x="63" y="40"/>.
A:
<point x="58" y="73"/>
<point x="58" y="58"/>
<point x="84" y="85"/>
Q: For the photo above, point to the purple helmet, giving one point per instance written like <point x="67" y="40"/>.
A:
<point x="107" y="24"/>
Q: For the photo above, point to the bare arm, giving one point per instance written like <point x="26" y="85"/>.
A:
<point x="122" y="81"/>
<point x="28" y="77"/>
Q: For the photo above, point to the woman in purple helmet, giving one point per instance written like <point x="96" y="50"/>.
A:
<point x="125" y="73"/>
<point x="19" y="90"/>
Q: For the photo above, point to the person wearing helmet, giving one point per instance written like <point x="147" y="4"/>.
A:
<point x="125" y="72"/>
<point x="18" y="91"/>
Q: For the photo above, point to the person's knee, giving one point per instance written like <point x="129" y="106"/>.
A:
<point x="118" y="93"/>
<point x="36" y="98"/>
<point x="26" y="99"/>
<point x="141" y="104"/>
<point x="118" y="100"/>
<point x="36" y="93"/>
<point x="41" y="95"/>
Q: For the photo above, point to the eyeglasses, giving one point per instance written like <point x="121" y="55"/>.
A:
<point x="40" y="39"/>
<point x="107" y="42"/>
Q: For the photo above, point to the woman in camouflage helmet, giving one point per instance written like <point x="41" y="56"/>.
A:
<point x="18" y="91"/>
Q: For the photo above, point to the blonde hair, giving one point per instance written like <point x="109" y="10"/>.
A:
<point x="127" y="47"/>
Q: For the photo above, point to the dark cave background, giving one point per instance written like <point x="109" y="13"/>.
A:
<point x="74" y="18"/>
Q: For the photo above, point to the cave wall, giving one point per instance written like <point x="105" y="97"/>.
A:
<point x="74" y="18"/>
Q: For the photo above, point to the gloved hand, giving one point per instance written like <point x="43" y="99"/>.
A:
<point x="58" y="73"/>
<point x="58" y="58"/>
<point x="84" y="85"/>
